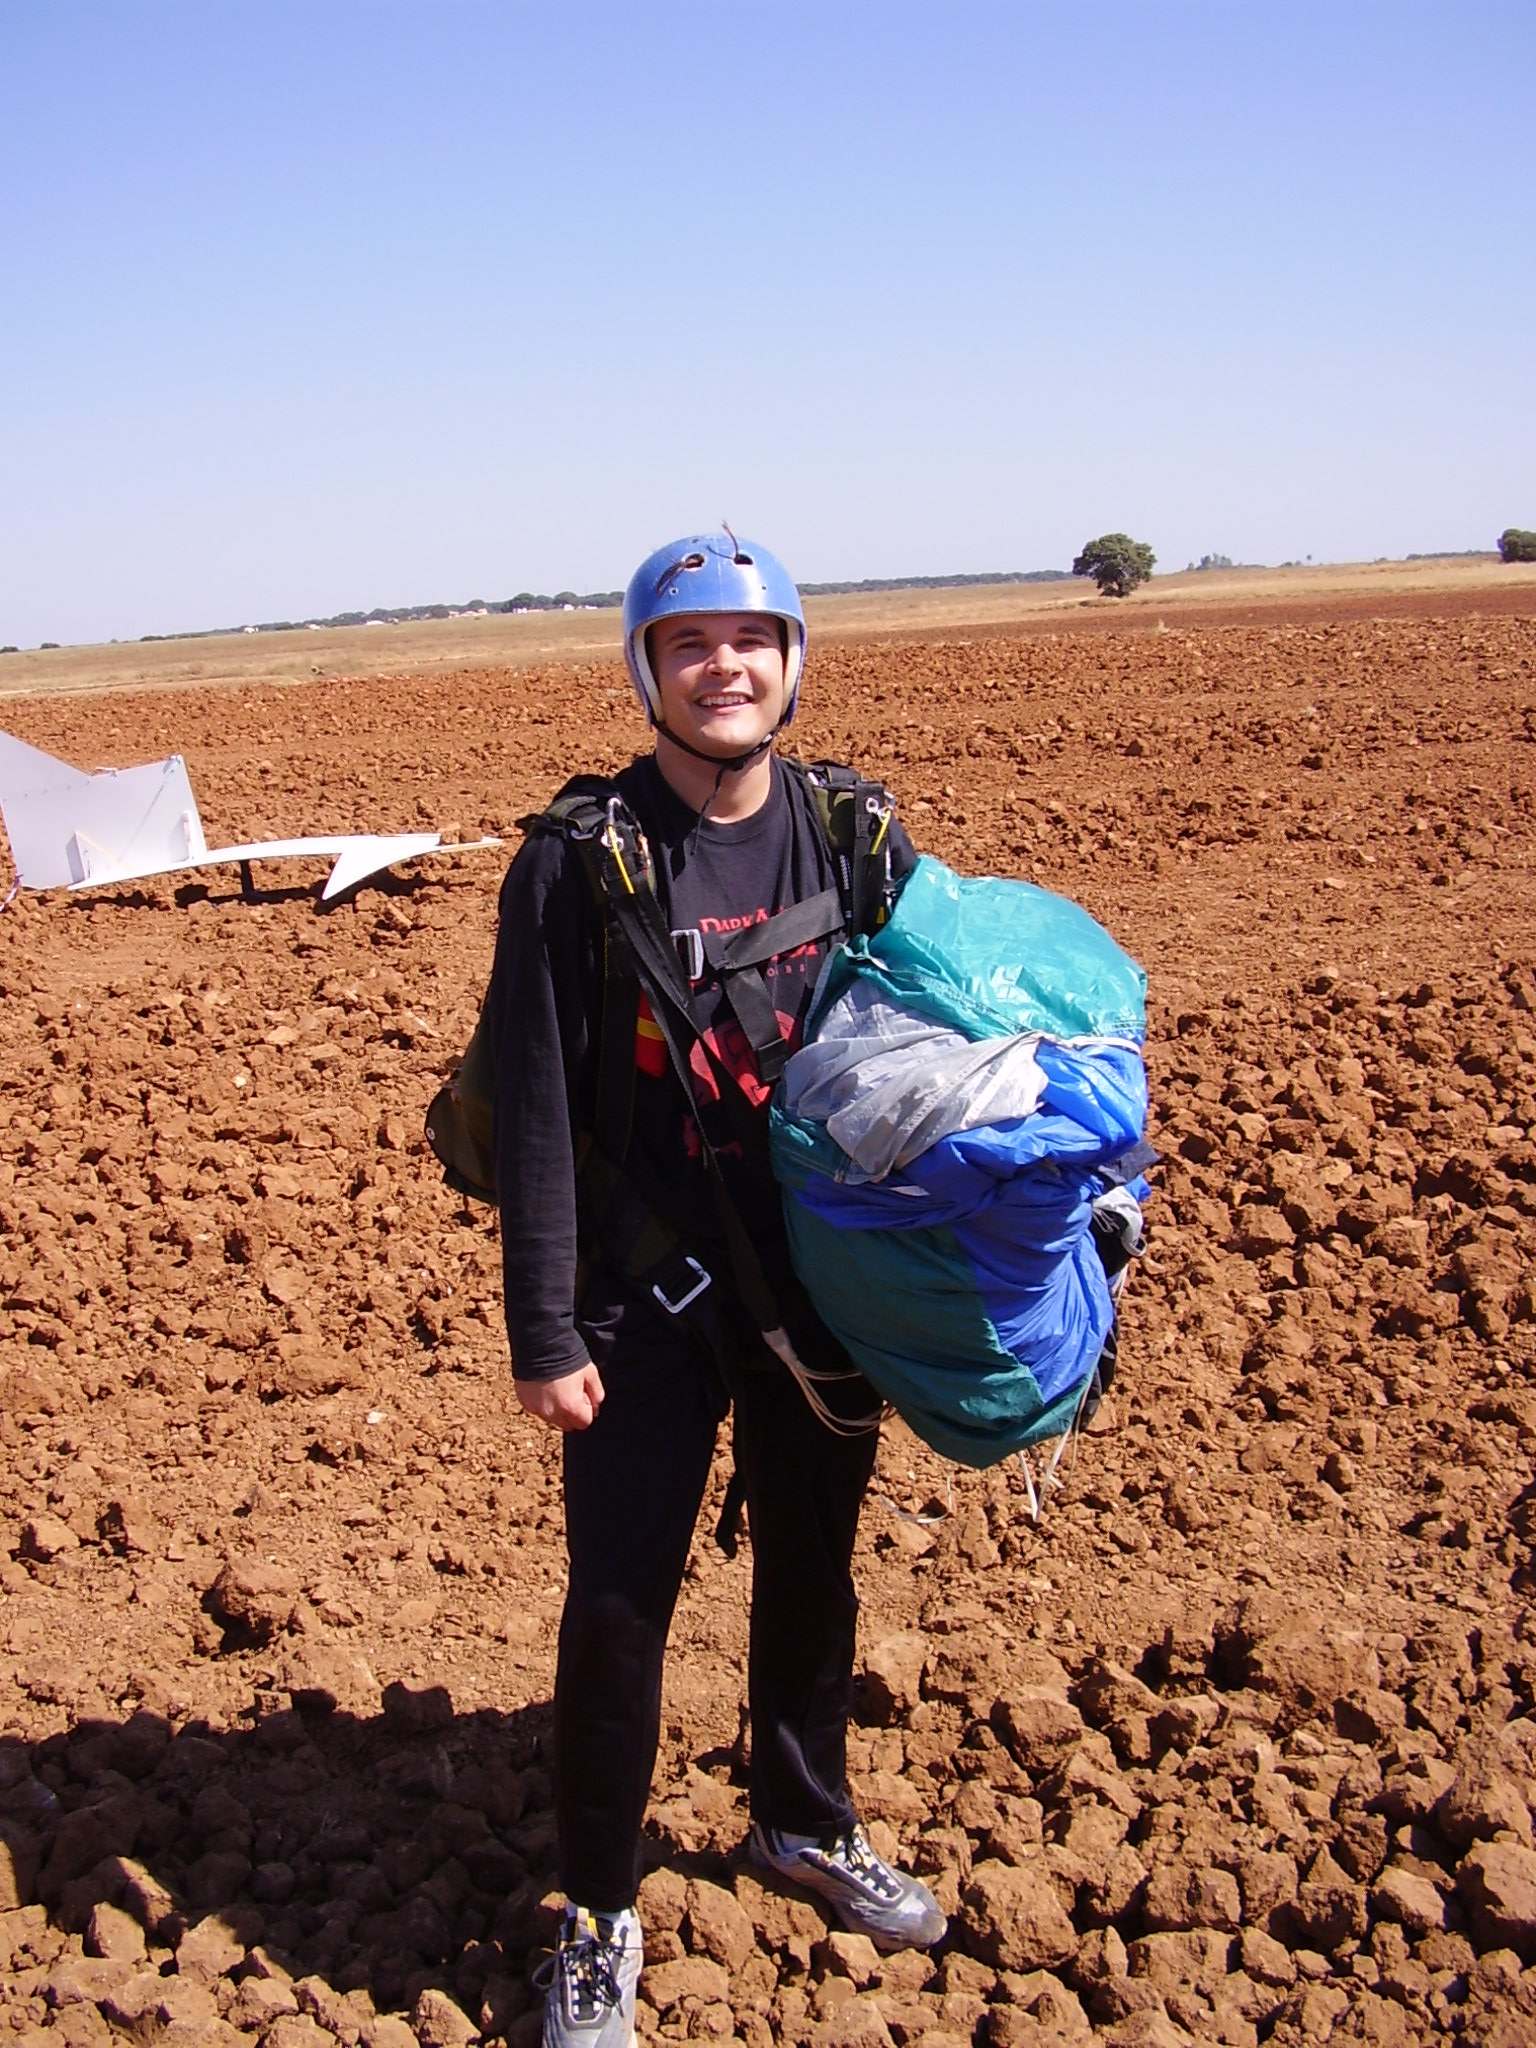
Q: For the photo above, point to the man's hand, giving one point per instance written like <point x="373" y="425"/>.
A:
<point x="570" y="1402"/>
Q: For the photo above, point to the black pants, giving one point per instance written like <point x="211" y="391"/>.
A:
<point x="633" y="1484"/>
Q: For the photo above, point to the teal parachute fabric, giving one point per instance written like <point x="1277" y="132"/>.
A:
<point x="962" y="1276"/>
<point x="992" y="957"/>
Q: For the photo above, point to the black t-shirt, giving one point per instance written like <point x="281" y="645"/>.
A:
<point x="546" y="1007"/>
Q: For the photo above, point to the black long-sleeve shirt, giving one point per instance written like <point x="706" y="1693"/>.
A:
<point x="546" y="1007"/>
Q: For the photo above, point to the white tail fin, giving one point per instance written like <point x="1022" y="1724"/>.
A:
<point x="67" y="827"/>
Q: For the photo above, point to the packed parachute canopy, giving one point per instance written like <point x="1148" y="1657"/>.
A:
<point x="970" y="1090"/>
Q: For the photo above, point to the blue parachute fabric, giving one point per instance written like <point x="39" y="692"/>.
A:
<point x="910" y="1311"/>
<point x="965" y="1284"/>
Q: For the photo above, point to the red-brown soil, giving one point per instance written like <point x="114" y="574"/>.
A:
<point x="1236" y="1745"/>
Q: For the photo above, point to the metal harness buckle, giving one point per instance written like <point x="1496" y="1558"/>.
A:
<point x="690" y="954"/>
<point x="675" y="1308"/>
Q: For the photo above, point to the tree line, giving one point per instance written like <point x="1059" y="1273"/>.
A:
<point x="589" y="601"/>
<point x="1116" y="563"/>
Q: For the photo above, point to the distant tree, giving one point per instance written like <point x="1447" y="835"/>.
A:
<point x="10" y="650"/>
<point x="47" y="643"/>
<point x="1517" y="544"/>
<point x="564" y="597"/>
<point x="1116" y="563"/>
<point x="1214" y="562"/>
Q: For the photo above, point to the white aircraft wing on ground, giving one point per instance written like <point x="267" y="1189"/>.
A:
<point x="73" y="830"/>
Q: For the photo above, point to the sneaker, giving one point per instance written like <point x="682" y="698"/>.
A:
<point x="863" y="1891"/>
<point x="590" y="1980"/>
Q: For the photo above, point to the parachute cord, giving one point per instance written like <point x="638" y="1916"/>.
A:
<point x="1029" y="1486"/>
<point x="924" y="1521"/>
<point x="864" y="1425"/>
<point x="1051" y="1475"/>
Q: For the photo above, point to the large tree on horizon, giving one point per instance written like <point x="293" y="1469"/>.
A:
<point x="1116" y="563"/>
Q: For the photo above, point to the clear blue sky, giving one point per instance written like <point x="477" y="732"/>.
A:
<point x="315" y="304"/>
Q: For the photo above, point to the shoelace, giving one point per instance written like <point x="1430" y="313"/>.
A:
<point x="587" y="1967"/>
<point x="855" y="1853"/>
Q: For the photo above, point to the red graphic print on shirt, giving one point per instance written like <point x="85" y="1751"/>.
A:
<point x="732" y="1050"/>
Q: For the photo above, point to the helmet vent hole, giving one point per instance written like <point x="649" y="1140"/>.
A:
<point x="692" y="561"/>
<point x="742" y="561"/>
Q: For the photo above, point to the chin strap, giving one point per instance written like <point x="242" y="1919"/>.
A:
<point x="726" y="763"/>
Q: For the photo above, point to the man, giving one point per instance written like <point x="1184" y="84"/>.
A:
<point x="638" y="1371"/>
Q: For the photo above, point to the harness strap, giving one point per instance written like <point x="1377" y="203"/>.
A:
<point x="590" y="813"/>
<point x="751" y="1281"/>
<point x="618" y="866"/>
<point x="633" y="919"/>
<point x="638" y="1239"/>
<point x="856" y="817"/>
<point x="753" y="1008"/>
<point x="834" y="786"/>
<point x="742" y="982"/>
<point x="816" y="918"/>
<point x="616" y="1043"/>
<point x="864" y="818"/>
<point x="611" y="852"/>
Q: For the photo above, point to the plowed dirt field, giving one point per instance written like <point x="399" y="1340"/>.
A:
<point x="1237" y="1744"/>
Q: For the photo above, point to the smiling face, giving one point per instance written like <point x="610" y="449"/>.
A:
<point x="721" y="678"/>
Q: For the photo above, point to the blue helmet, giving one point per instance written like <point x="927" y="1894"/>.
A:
<point x="710" y="572"/>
